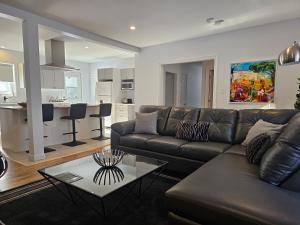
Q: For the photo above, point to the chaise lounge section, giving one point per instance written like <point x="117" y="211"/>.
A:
<point x="222" y="187"/>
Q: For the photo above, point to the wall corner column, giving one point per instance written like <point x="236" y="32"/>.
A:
<point x="33" y="90"/>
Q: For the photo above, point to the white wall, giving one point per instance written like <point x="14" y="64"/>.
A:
<point x="263" y="42"/>
<point x="107" y="63"/>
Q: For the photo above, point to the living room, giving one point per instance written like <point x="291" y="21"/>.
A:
<point x="231" y="158"/>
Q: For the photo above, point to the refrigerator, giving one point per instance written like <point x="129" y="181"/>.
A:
<point x="104" y="95"/>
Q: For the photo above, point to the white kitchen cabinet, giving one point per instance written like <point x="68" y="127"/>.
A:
<point x="101" y="75"/>
<point x="123" y="112"/>
<point x="107" y="74"/>
<point x="127" y="74"/>
<point x="51" y="79"/>
<point x="104" y="88"/>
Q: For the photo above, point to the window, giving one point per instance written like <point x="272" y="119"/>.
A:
<point x="73" y="86"/>
<point x="6" y="88"/>
<point x="6" y="79"/>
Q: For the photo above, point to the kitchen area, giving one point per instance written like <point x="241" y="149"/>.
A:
<point x="67" y="77"/>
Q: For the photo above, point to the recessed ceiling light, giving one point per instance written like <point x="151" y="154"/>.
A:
<point x="2" y="46"/>
<point x="86" y="47"/>
<point x="218" y="22"/>
<point x="132" y="28"/>
<point x="210" y="20"/>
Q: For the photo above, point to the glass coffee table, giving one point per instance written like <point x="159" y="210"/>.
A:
<point x="85" y="175"/>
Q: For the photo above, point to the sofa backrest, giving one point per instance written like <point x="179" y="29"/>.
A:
<point x="177" y="114"/>
<point x="248" y="117"/>
<point x="163" y="114"/>
<point x="222" y="123"/>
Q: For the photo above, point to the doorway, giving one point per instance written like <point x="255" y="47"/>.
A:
<point x="170" y="91"/>
<point x="189" y="84"/>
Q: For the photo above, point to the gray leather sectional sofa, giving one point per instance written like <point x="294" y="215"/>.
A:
<point x="226" y="189"/>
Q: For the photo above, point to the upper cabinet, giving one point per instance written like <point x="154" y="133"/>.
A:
<point x="107" y="74"/>
<point x="127" y="74"/>
<point x="52" y="79"/>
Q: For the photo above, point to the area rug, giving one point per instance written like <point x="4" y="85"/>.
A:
<point x="49" y="207"/>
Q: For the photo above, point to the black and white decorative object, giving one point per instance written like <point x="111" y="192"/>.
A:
<point x="108" y="158"/>
<point x="108" y="176"/>
<point x="3" y="165"/>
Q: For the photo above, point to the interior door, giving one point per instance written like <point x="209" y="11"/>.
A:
<point x="170" y="89"/>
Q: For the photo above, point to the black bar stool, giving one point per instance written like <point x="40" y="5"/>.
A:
<point x="104" y="111"/>
<point x="48" y="114"/>
<point x="77" y="111"/>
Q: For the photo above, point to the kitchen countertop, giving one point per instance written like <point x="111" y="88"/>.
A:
<point x="56" y="105"/>
<point x="123" y="104"/>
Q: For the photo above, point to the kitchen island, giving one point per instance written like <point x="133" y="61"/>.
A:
<point x="14" y="128"/>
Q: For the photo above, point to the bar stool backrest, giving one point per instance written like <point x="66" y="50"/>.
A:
<point x="105" y="109"/>
<point x="78" y="111"/>
<point x="48" y="112"/>
<point x="3" y="165"/>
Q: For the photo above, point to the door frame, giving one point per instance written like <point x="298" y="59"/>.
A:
<point x="188" y="60"/>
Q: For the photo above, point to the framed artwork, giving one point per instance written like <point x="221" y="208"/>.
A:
<point x="252" y="82"/>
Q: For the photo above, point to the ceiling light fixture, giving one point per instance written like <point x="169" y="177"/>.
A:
<point x="218" y="22"/>
<point x="132" y="28"/>
<point x="210" y="20"/>
<point x="2" y="46"/>
<point x="86" y="47"/>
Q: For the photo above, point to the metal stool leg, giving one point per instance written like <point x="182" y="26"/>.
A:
<point x="74" y="142"/>
<point x="101" y="137"/>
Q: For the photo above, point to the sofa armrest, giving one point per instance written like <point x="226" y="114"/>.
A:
<point x="123" y="128"/>
<point x="120" y="129"/>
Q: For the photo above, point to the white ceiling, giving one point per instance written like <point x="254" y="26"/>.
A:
<point x="160" y="21"/>
<point x="11" y="39"/>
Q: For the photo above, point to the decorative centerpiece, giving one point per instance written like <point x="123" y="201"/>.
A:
<point x="108" y="158"/>
<point x="3" y="165"/>
<point x="108" y="176"/>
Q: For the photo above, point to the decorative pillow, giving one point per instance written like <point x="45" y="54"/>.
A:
<point x="261" y="127"/>
<point x="146" y="123"/>
<point x="257" y="147"/>
<point x="192" y="131"/>
<point x="283" y="158"/>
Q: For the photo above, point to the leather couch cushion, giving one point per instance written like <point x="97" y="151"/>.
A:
<point x="203" y="151"/>
<point x="248" y="117"/>
<point x="136" y="140"/>
<point x="163" y="113"/>
<point x="237" y="149"/>
<point x="283" y="158"/>
<point x="166" y="145"/>
<point x="222" y="123"/>
<point x="227" y="190"/>
<point x="177" y="114"/>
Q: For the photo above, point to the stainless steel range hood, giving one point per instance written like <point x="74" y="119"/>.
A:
<point x="55" y="56"/>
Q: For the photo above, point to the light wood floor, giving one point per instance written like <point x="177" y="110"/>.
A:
<point x="19" y="174"/>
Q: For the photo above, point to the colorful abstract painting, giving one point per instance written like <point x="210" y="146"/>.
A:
<point x="253" y="82"/>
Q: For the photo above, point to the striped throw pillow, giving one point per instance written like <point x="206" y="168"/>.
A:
<point x="193" y="131"/>
<point x="257" y="147"/>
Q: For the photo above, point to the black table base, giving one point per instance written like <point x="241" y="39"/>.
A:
<point x="71" y="192"/>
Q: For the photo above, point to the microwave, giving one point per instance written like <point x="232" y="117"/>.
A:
<point x="127" y="84"/>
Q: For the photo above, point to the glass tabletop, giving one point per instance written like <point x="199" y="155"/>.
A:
<point x="87" y="175"/>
